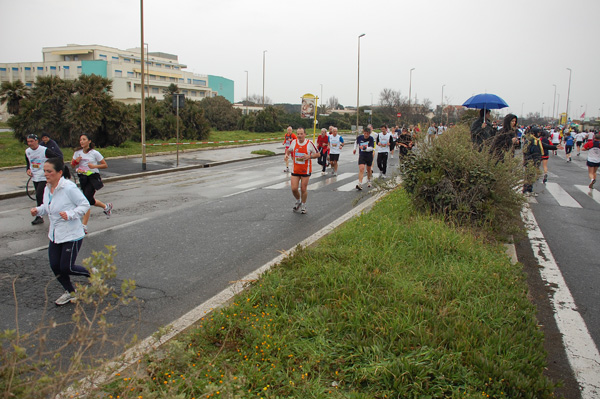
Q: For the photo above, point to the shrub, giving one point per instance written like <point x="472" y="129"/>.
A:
<point x="467" y="186"/>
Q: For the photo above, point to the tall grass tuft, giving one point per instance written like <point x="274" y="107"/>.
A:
<point x="467" y="186"/>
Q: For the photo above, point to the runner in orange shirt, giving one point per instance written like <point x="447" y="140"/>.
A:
<point x="302" y="152"/>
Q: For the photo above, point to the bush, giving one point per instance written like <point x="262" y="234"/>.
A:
<point x="467" y="186"/>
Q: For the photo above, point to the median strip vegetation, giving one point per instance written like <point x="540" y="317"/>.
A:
<point x="392" y="304"/>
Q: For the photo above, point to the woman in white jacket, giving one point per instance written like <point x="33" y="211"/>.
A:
<point x="65" y="205"/>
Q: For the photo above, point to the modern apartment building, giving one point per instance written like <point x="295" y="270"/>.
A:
<point x="124" y="68"/>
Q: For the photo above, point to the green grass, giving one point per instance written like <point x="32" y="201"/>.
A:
<point x="13" y="152"/>
<point x="393" y="304"/>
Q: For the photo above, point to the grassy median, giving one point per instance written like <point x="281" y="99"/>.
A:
<point x="393" y="304"/>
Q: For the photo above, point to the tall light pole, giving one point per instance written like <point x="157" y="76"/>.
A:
<point x="142" y="113"/>
<point x="321" y="96"/>
<point x="246" y="92"/>
<point x="557" y="105"/>
<point x="568" y="94"/>
<point x="410" y="86"/>
<point x="442" y="106"/>
<point x="264" y="78"/>
<point x="542" y="116"/>
<point x="553" y="101"/>
<point x="358" y="84"/>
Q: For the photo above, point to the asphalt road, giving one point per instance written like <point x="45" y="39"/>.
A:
<point x="182" y="236"/>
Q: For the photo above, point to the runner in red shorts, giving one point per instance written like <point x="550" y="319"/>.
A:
<point x="302" y="152"/>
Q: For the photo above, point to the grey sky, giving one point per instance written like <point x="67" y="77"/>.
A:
<point x="516" y="49"/>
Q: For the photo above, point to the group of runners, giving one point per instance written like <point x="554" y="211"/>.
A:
<point x="327" y="150"/>
<point x="66" y="205"/>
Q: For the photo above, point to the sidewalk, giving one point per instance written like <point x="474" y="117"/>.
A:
<point x="13" y="180"/>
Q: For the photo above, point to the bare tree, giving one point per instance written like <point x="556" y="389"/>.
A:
<point x="390" y="99"/>
<point x="258" y="99"/>
<point x="332" y="103"/>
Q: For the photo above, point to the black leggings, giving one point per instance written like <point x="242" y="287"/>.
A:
<point x="62" y="262"/>
<point x="39" y="191"/>
<point x="322" y="159"/>
<point x="382" y="158"/>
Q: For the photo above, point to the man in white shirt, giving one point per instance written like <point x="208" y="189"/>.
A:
<point x="383" y="141"/>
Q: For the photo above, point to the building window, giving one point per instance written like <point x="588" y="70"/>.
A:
<point x="189" y="81"/>
<point x="15" y="73"/>
<point x="79" y="70"/>
<point x="76" y="58"/>
<point x="40" y="71"/>
<point x="67" y="58"/>
<point x="29" y="84"/>
<point x="176" y="67"/>
<point x="163" y="78"/>
<point x="153" y="77"/>
<point x="137" y="61"/>
<point x="102" y="56"/>
<point x="181" y="80"/>
<point x="129" y="86"/>
<point x="118" y="74"/>
<point x="52" y="71"/>
<point x="115" y="58"/>
<point x="194" y="93"/>
<point x="127" y="60"/>
<point x="184" y="92"/>
<point x="3" y="74"/>
<point x="66" y="72"/>
<point x="172" y="79"/>
<point x="155" y="90"/>
<point x="199" y="82"/>
<point x="129" y="74"/>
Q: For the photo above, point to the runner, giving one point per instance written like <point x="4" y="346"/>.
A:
<point x="88" y="161"/>
<point x="336" y="143"/>
<point x="35" y="157"/>
<point x="365" y="145"/>
<point x="287" y="140"/>
<point x="384" y="139"/>
<point x="579" y="139"/>
<point x="50" y="144"/>
<point x="546" y="147"/>
<point x="404" y="143"/>
<point x="569" y="141"/>
<point x="395" y="133"/>
<point x="323" y="147"/>
<point x="555" y="138"/>
<point x="302" y="151"/>
<point x="593" y="159"/>
<point x="65" y="205"/>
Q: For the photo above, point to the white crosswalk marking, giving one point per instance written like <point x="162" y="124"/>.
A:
<point x="593" y="194"/>
<point x="256" y="183"/>
<point x="278" y="186"/>
<point x="330" y="180"/>
<point x="561" y="196"/>
<point x="350" y="186"/>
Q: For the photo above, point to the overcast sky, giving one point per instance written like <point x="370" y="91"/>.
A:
<point x="516" y="49"/>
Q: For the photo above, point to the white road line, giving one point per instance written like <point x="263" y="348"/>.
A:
<point x="561" y="196"/>
<point x="593" y="194"/>
<point x="256" y="183"/>
<point x="151" y="343"/>
<point x="11" y="210"/>
<point x="117" y="227"/>
<point x="581" y="351"/>
<point x="329" y="179"/>
<point x="277" y="186"/>
<point x="239" y="192"/>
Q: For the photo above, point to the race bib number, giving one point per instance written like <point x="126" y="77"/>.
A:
<point x="298" y="158"/>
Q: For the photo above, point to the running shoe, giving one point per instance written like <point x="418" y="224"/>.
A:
<point x="65" y="298"/>
<point x="368" y="183"/>
<point x="286" y="170"/>
<point x="37" y="220"/>
<point x="296" y="206"/>
<point x="108" y="210"/>
<point x="303" y="209"/>
<point x="323" y="173"/>
<point x="592" y="183"/>
<point x="383" y="176"/>
<point x="334" y="173"/>
<point x="359" y="187"/>
<point x="545" y="179"/>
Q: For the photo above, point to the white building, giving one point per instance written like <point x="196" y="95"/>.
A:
<point x="123" y="67"/>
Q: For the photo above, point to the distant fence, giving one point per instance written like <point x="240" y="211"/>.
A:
<point x="216" y="142"/>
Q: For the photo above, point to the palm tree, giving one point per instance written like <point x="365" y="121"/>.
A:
<point x="12" y="93"/>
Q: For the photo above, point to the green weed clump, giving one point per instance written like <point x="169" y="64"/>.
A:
<point x="391" y="305"/>
<point x="466" y="185"/>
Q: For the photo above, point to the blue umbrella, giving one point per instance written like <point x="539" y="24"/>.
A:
<point x="485" y="101"/>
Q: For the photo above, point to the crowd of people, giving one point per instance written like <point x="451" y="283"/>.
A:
<point x="66" y="205"/>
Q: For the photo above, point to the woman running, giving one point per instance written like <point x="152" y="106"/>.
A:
<point x="88" y="162"/>
<point x="593" y="160"/>
<point x="65" y="205"/>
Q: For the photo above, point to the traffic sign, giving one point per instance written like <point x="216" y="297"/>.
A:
<point x="398" y="114"/>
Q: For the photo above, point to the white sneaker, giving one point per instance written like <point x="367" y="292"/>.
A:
<point x="368" y="183"/>
<point x="286" y="170"/>
<point x="108" y="210"/>
<point x="380" y="175"/>
<point x="65" y="298"/>
<point x="323" y="173"/>
<point x="296" y="206"/>
<point x="359" y="187"/>
<point x="334" y="173"/>
<point x="383" y="176"/>
<point x="303" y="209"/>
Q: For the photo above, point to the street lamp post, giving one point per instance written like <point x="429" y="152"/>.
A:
<point x="263" y="104"/>
<point x="553" y="101"/>
<point x="442" y="106"/>
<point x="321" y="96"/>
<point x="142" y="112"/>
<point x="358" y="84"/>
<point x="568" y="94"/>
<point x="246" y="92"/>
<point x="410" y="86"/>
<point x="542" y="116"/>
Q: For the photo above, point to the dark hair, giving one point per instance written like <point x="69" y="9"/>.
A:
<point x="367" y="129"/>
<point x="45" y="135"/>
<point x="59" y="165"/>
<point x="481" y="112"/>
<point x="92" y="145"/>
<point x="506" y="123"/>
<point x="33" y="136"/>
